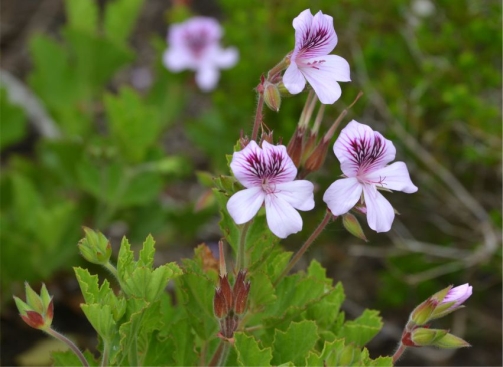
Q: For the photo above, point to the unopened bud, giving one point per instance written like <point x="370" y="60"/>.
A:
<point x="422" y="313"/>
<point x="240" y="292"/>
<point x="423" y="337"/>
<point x="352" y="225"/>
<point x="272" y="96"/>
<point x="219" y="304"/>
<point x="317" y="157"/>
<point x="226" y="291"/>
<point x="295" y="146"/>
<point x="450" y="341"/>
<point x="95" y="247"/>
<point x="38" y="311"/>
<point x="451" y="299"/>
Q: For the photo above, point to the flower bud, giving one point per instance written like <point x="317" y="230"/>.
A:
<point x="353" y="226"/>
<point x="422" y="337"/>
<point x="272" y="96"/>
<point x="219" y="304"/>
<point x="38" y="311"/>
<point x="317" y="157"/>
<point x="422" y="313"/>
<point x="295" y="146"/>
<point x="240" y="292"/>
<point x="95" y="247"/>
<point x="452" y="300"/>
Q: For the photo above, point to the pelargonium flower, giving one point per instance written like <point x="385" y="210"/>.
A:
<point x="315" y="38"/>
<point x="195" y="45"/>
<point x="268" y="175"/>
<point x="364" y="155"/>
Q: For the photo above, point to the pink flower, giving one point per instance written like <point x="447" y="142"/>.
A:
<point x="457" y="294"/>
<point x="268" y="175"/>
<point x="194" y="44"/>
<point x="315" y="38"/>
<point x="364" y="155"/>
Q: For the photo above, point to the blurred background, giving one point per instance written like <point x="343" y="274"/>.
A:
<point x="96" y="132"/>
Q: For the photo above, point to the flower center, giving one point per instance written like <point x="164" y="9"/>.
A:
<point x="197" y="42"/>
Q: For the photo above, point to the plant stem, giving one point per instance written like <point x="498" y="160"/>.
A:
<point x="398" y="352"/>
<point x="241" y="261"/>
<point x="112" y="270"/>
<point x="305" y="246"/>
<point x="221" y="354"/>
<point x="258" y="116"/>
<point x="70" y="344"/>
<point x="106" y="352"/>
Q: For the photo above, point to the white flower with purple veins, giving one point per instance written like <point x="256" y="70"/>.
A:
<point x="315" y="38"/>
<point x="268" y="175"/>
<point x="364" y="155"/>
<point x="195" y="45"/>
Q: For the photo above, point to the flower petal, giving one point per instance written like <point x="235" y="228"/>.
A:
<point x="225" y="58"/>
<point x="394" y="177"/>
<point x="282" y="218"/>
<point x="278" y="162"/>
<point x="207" y="77"/>
<point x="342" y="195"/>
<point x="298" y="194"/>
<point x="293" y="79"/>
<point x="241" y="165"/>
<point x="362" y="150"/>
<point x="314" y="36"/>
<point x="323" y="73"/>
<point x="244" y="204"/>
<point x="177" y="59"/>
<point x="380" y="213"/>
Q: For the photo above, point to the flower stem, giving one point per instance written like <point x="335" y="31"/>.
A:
<point x="305" y="246"/>
<point x="112" y="270"/>
<point x="282" y="65"/>
<point x="106" y="352"/>
<point x="70" y="344"/>
<point x="258" y="115"/>
<point x="221" y="354"/>
<point x="241" y="261"/>
<point x="398" y="353"/>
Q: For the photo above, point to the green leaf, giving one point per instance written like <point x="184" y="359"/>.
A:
<point x="249" y="353"/>
<point x="294" y="344"/>
<point x="68" y="358"/>
<point x="13" y="122"/>
<point x="134" y="126"/>
<point x="147" y="253"/>
<point x="328" y="356"/>
<point x="101" y="318"/>
<point x="184" y="353"/>
<point x="196" y="292"/>
<point x="120" y="17"/>
<point x="82" y="15"/>
<point x="361" y="330"/>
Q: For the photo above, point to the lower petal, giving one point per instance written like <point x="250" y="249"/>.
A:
<point x="298" y="194"/>
<point x="227" y="58"/>
<point x="282" y="218"/>
<point x="342" y="195"/>
<point x="244" y="204"/>
<point x="177" y="59"/>
<point x="207" y="78"/>
<point x="293" y="79"/>
<point x="380" y="213"/>
<point x="323" y="73"/>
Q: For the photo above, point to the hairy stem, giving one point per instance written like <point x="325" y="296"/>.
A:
<point x="241" y="261"/>
<point x="305" y="246"/>
<point x="398" y="353"/>
<point x="258" y="115"/>
<point x="70" y="344"/>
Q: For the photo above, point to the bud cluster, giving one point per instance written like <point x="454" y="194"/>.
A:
<point x="37" y="311"/>
<point x="418" y="334"/>
<point x="230" y="304"/>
